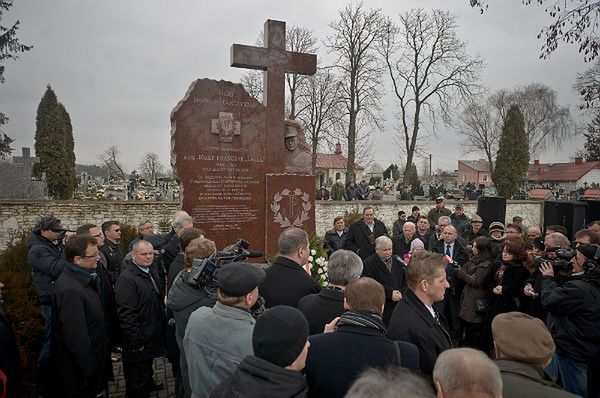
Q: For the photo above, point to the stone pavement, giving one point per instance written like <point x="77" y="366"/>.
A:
<point x="162" y="373"/>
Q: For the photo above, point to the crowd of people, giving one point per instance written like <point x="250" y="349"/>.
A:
<point x="439" y="307"/>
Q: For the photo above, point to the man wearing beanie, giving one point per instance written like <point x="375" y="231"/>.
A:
<point x="574" y="321"/>
<point x="523" y="347"/>
<point x="336" y="359"/>
<point x="280" y="348"/>
<point x="217" y="339"/>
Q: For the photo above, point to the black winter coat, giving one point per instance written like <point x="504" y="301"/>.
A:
<point x="512" y="297"/>
<point x="336" y="359"/>
<point x="333" y="241"/>
<point x="412" y="322"/>
<point x="400" y="246"/>
<point x="320" y="309"/>
<point x="79" y="344"/>
<point x="574" y="315"/>
<point x="141" y="314"/>
<point x="375" y="268"/>
<point x="286" y="283"/>
<point x="256" y="377"/>
<point x="469" y="236"/>
<point x="47" y="262"/>
<point x="114" y="254"/>
<point x="361" y="240"/>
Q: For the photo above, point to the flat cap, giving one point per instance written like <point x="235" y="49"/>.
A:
<point x="496" y="226"/>
<point x="517" y="218"/>
<point x="239" y="279"/>
<point x="523" y="337"/>
<point x="439" y="199"/>
<point x="476" y="218"/>
<point x="458" y="206"/>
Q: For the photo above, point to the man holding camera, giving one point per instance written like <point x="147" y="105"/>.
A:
<point x="574" y="320"/>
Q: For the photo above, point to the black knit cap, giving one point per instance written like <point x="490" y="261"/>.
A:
<point x="280" y="334"/>
<point x="48" y="223"/>
<point x="589" y="251"/>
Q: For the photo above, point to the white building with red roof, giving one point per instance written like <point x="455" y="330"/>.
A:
<point x="569" y="176"/>
<point x="332" y="167"/>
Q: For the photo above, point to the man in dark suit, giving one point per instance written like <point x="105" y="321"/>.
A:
<point x="287" y="281"/>
<point x="79" y="345"/>
<point x="415" y="320"/>
<point x="362" y="234"/>
<point x="335" y="359"/>
<point x="388" y="270"/>
<point x="401" y="243"/>
<point x="343" y="268"/>
<point x="450" y="246"/>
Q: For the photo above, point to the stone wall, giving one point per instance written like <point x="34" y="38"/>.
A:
<point x="21" y="215"/>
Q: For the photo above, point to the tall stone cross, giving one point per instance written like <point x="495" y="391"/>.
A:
<point x="275" y="61"/>
<point x="26" y="159"/>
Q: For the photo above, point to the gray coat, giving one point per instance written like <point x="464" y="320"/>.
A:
<point x="215" y="342"/>
<point x="474" y="275"/>
<point x="525" y="380"/>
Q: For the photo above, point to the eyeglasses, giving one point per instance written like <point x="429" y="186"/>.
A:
<point x="92" y="256"/>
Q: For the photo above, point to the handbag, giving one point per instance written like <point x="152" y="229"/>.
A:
<point x="481" y="305"/>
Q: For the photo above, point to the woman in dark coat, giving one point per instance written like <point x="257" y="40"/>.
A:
<point x="474" y="274"/>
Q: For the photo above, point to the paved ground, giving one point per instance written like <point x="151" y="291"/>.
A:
<point x="162" y="373"/>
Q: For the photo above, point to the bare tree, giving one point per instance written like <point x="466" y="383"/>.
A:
<point x="478" y="125"/>
<point x="109" y="159"/>
<point x="297" y="39"/>
<point x="430" y="69"/>
<point x="151" y="166"/>
<point x="353" y="41"/>
<point x="587" y="84"/>
<point x="575" y="21"/>
<point x="319" y="110"/>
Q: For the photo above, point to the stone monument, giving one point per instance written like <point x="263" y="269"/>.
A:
<point x="231" y="155"/>
<point x="16" y="178"/>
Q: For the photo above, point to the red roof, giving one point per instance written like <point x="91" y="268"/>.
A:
<point x="334" y="161"/>
<point x="560" y="171"/>
<point x="539" y="194"/>
<point x="592" y="194"/>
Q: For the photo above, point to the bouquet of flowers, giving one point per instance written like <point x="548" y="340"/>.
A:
<point x="318" y="260"/>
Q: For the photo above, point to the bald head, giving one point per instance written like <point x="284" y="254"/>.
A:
<point x="409" y="229"/>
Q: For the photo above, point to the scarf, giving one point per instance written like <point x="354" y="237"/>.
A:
<point x="367" y="319"/>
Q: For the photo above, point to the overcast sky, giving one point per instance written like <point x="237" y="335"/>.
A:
<point x="120" y="67"/>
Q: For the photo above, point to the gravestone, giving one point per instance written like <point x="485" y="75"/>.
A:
<point x="16" y="181"/>
<point x="228" y="151"/>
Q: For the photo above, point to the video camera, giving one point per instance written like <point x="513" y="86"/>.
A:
<point x="204" y="269"/>
<point x="562" y="262"/>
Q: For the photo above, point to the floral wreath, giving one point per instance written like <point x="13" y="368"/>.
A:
<point x="285" y="222"/>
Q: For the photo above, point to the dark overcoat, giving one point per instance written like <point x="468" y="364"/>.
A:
<point x="361" y="240"/>
<point x="375" y="268"/>
<point x="286" y="283"/>
<point x="320" y="309"/>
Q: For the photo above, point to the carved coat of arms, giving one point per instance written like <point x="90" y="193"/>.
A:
<point x="290" y="208"/>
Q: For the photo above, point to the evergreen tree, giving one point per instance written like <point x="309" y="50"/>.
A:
<point x="512" y="159"/>
<point x="592" y="140"/>
<point x="54" y="146"/>
<point x="9" y="48"/>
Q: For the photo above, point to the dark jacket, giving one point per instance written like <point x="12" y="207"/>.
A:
<point x="335" y="359"/>
<point x="338" y="192"/>
<point x="474" y="276"/>
<point x="425" y="237"/>
<point x="461" y="223"/>
<point x="47" y="262"/>
<point x="574" y="315"/>
<point x="111" y="317"/>
<point x="352" y="193"/>
<point x="79" y="344"/>
<point x="400" y="246"/>
<point x="361" y="240"/>
<point x="333" y="241"/>
<point x="141" y="314"/>
<point x="375" y="268"/>
<point x="114" y="254"/>
<point x="412" y="322"/>
<point x="286" y="283"/>
<point x="171" y="250"/>
<point x="363" y="191"/>
<point x="469" y="236"/>
<point x="320" y="309"/>
<point x="397" y="227"/>
<point x="176" y="267"/>
<point x="413" y="219"/>
<point x="434" y="214"/>
<point x="9" y="358"/>
<point x="525" y="380"/>
<point x="256" y="377"/>
<point x="513" y="281"/>
<point x="322" y="194"/>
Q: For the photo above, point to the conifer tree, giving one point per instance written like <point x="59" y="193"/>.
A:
<point x="592" y="140"/>
<point x="512" y="159"/>
<point x="54" y="146"/>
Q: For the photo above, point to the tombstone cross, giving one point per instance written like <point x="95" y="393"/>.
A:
<point x="275" y="61"/>
<point x="26" y="157"/>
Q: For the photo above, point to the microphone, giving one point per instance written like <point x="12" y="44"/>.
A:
<point x="254" y="254"/>
<point x="232" y="255"/>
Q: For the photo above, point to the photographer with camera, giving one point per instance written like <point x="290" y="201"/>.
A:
<point x="574" y="320"/>
<point x="186" y="296"/>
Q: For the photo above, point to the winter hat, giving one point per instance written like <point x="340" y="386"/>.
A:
<point x="279" y="335"/>
<point x="48" y="223"/>
<point x="523" y="337"/>
<point x="415" y="208"/>
<point x="476" y="218"/>
<point x="238" y="279"/>
<point x="416" y="243"/>
<point x="496" y="226"/>
<point x="539" y="243"/>
<point x="589" y="251"/>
